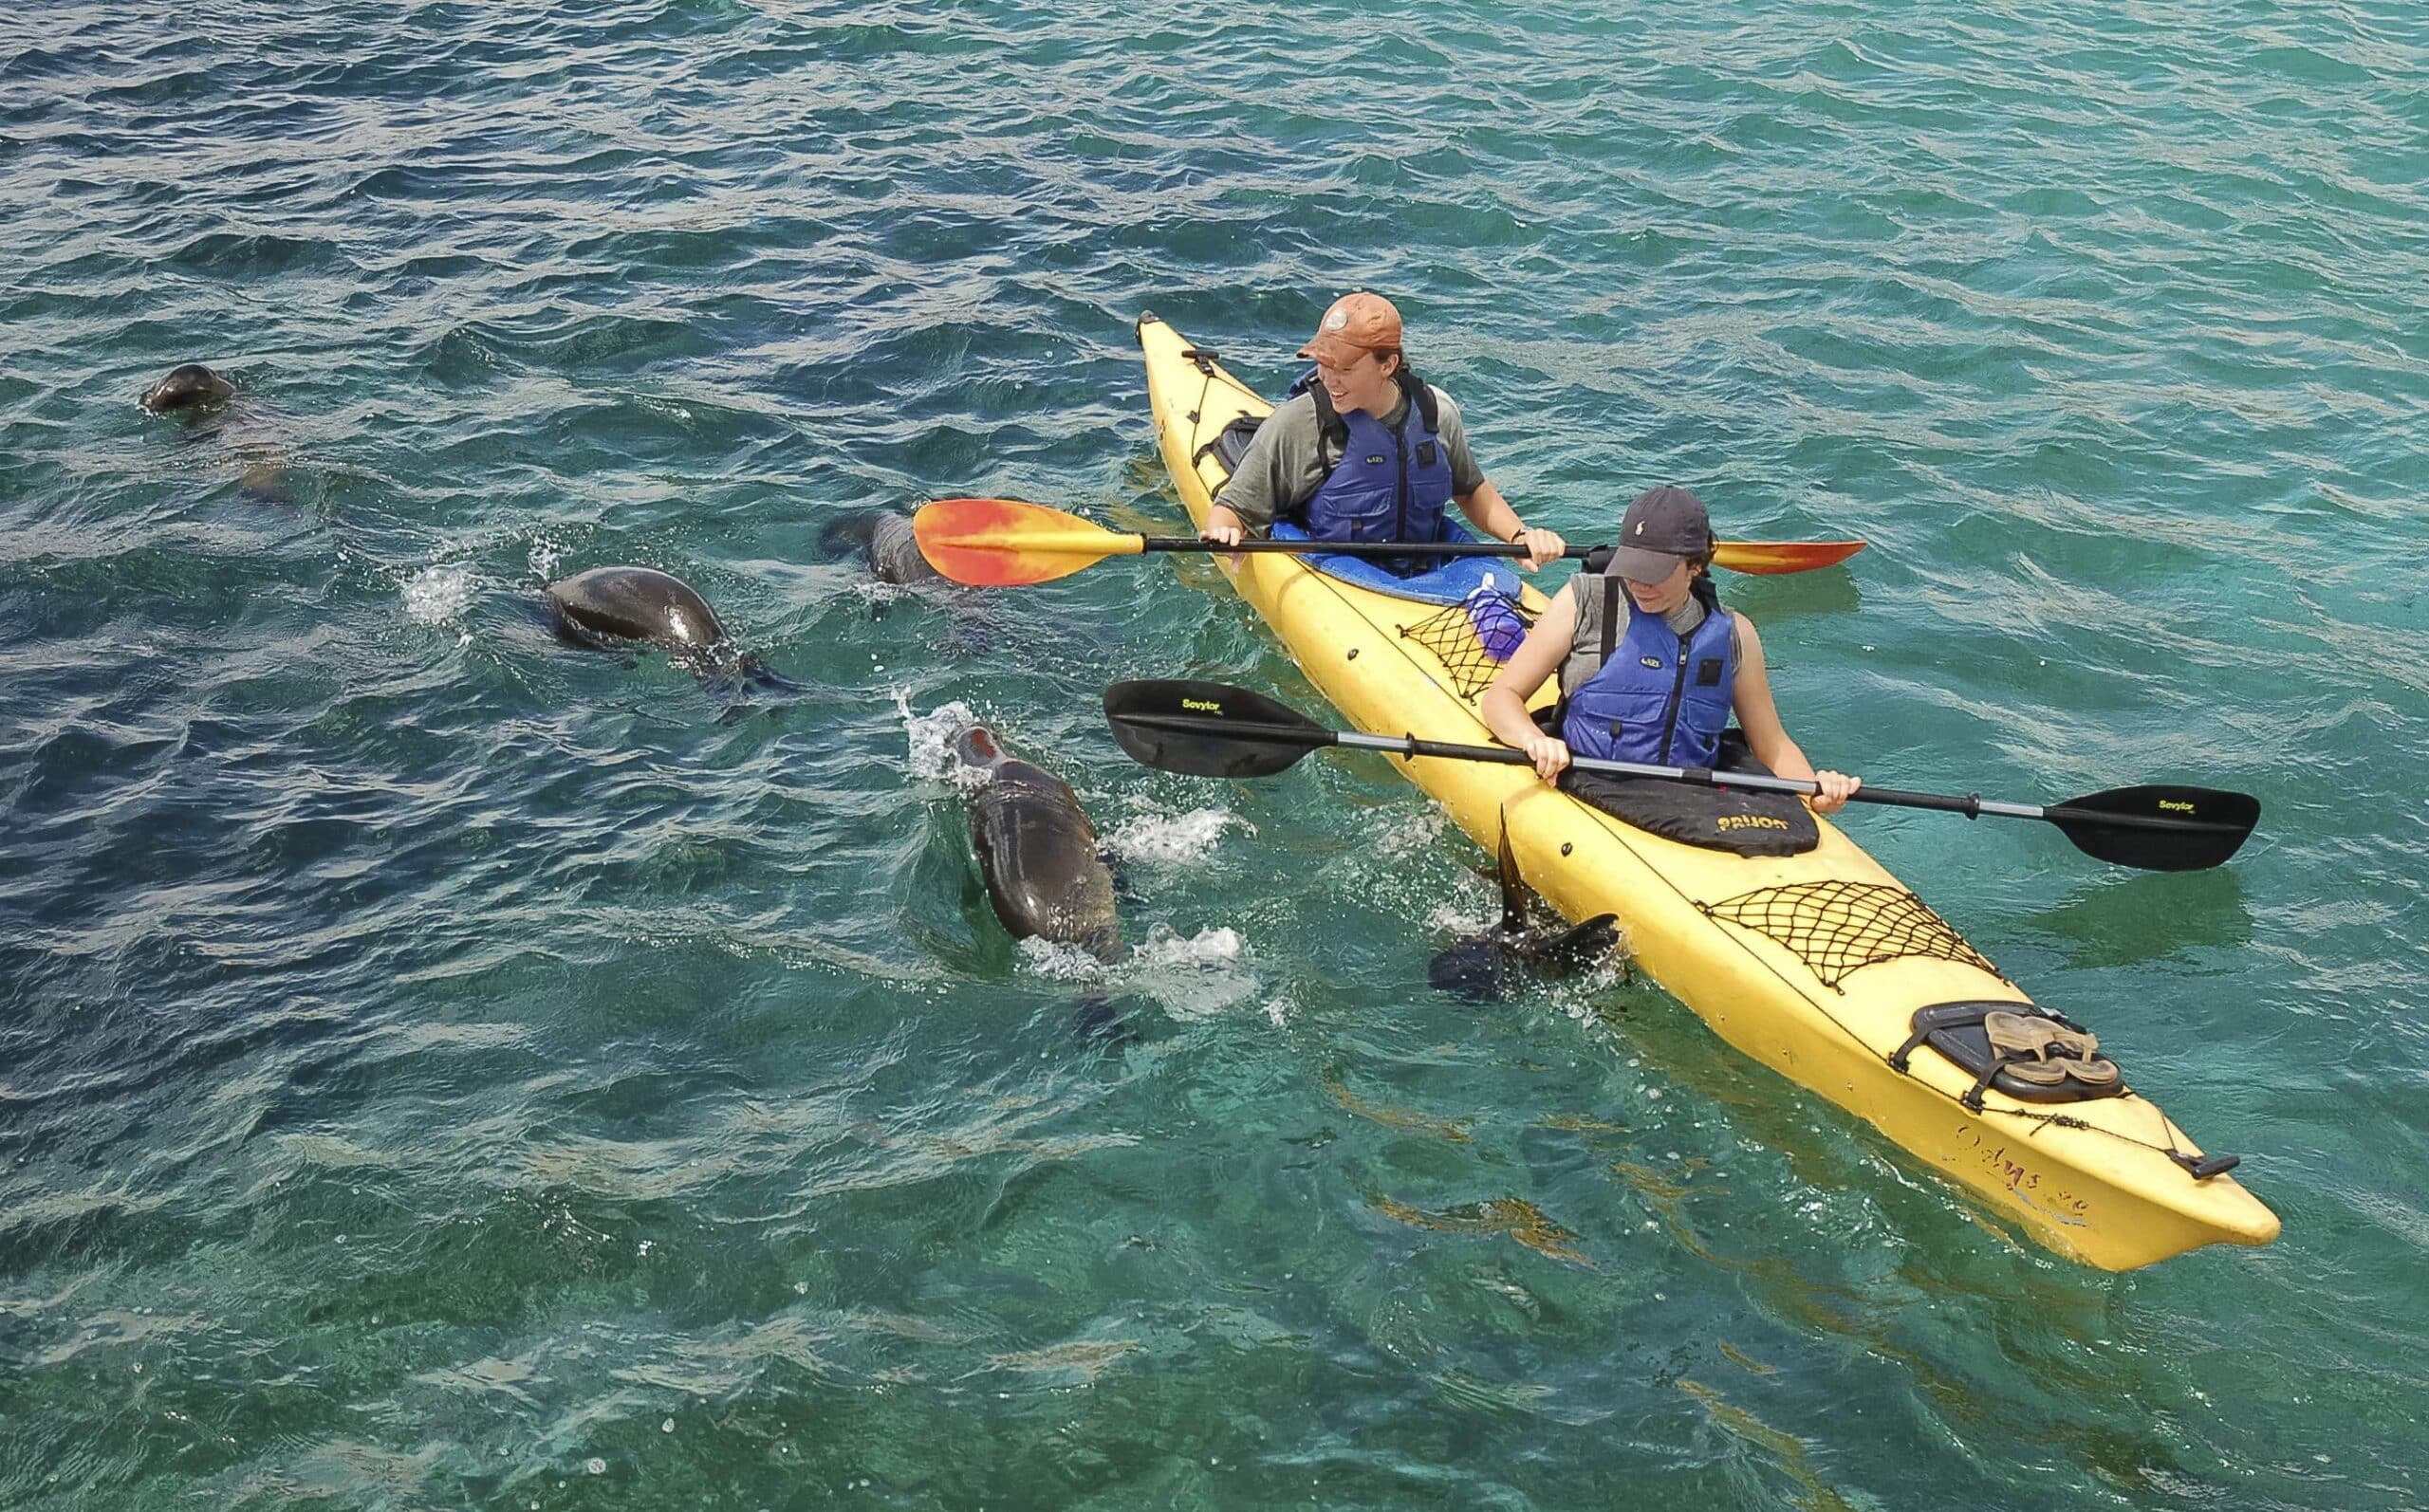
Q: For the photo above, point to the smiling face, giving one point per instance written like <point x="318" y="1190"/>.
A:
<point x="1364" y="383"/>
<point x="1664" y="597"/>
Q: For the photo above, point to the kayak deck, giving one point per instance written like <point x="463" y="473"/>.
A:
<point x="1814" y="965"/>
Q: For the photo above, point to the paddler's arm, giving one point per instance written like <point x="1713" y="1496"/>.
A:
<point x="1759" y="716"/>
<point x="1480" y="501"/>
<point x="1490" y="513"/>
<point x="1504" y="705"/>
<point x="1245" y="505"/>
<point x="1282" y="470"/>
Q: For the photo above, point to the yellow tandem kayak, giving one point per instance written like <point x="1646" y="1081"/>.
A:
<point x="1815" y="964"/>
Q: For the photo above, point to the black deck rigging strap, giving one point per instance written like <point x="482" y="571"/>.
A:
<point x="1231" y="444"/>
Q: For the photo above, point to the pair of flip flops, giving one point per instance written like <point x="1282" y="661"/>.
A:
<point x="2047" y="1054"/>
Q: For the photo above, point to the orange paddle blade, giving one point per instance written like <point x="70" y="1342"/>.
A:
<point x="1006" y="544"/>
<point x="1782" y="555"/>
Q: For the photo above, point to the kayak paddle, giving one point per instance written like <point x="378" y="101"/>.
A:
<point x="1211" y="729"/>
<point x="1006" y="544"/>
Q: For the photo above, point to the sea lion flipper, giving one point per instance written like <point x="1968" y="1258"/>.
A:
<point x="759" y="675"/>
<point x="1577" y="949"/>
<point x="1513" y="888"/>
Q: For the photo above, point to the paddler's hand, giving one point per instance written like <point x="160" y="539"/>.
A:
<point x="1549" y="753"/>
<point x="1836" y="788"/>
<point x="1223" y="527"/>
<point x="1542" y="546"/>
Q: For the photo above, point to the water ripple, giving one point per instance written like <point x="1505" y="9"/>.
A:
<point x="444" y="1065"/>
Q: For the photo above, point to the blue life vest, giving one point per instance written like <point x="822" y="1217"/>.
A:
<point x="1391" y="482"/>
<point x="1657" y="696"/>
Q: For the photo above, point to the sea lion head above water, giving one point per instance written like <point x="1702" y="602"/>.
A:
<point x="606" y="605"/>
<point x="1037" y="851"/>
<point x="193" y="389"/>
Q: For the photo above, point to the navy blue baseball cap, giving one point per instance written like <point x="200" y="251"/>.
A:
<point x="1664" y="527"/>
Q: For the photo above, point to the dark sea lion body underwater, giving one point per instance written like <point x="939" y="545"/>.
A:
<point x="608" y="605"/>
<point x="1038" y="852"/>
<point x="884" y="540"/>
<point x="200" y="401"/>
<point x="1500" y="962"/>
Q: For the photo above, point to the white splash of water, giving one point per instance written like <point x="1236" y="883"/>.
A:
<point x="1059" y="962"/>
<point x="876" y="594"/>
<point x="1192" y="976"/>
<point x="1219" y="946"/>
<point x="1417" y="832"/>
<point x="932" y="736"/>
<point x="649" y="402"/>
<point x="439" y="593"/>
<point x="1172" y="840"/>
<point x="546" y="557"/>
<point x="1458" y="916"/>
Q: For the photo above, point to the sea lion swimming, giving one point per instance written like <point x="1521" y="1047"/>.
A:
<point x="199" y="400"/>
<point x="1497" y="963"/>
<point x="1037" y="851"/>
<point x="605" y="605"/>
<point x="193" y="389"/>
<point x="884" y="540"/>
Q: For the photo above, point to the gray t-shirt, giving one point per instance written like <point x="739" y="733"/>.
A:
<point x="1291" y="458"/>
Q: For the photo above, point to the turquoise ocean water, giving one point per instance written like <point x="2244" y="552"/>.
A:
<point x="441" y="1068"/>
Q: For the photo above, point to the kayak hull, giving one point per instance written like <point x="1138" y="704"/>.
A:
<point x="2094" y="1180"/>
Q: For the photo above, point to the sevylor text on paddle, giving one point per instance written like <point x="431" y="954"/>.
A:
<point x="1214" y="730"/>
<point x="1007" y="544"/>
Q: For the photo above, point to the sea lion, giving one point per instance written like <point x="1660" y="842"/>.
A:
<point x="193" y="389"/>
<point x="884" y="540"/>
<point x="605" y="605"/>
<point x="1037" y="851"/>
<point x="199" y="400"/>
<point x="1495" y="963"/>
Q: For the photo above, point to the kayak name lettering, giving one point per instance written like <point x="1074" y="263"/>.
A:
<point x="1730" y="821"/>
<point x="1204" y="705"/>
<point x="2021" y="1179"/>
<point x="2170" y="805"/>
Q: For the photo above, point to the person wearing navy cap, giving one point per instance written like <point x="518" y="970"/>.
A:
<point x="1651" y="666"/>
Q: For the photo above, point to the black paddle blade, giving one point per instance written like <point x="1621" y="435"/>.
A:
<point x="1208" y="729"/>
<point x="2158" y="828"/>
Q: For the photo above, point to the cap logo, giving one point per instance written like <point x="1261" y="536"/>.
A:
<point x="1335" y="317"/>
<point x="1640" y="527"/>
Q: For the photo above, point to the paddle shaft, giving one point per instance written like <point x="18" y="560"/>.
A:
<point x="1383" y="550"/>
<point x="1355" y="548"/>
<point x="1009" y="544"/>
<point x="1972" y="806"/>
<point x="1739" y="556"/>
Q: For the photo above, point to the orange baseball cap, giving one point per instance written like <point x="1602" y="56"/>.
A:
<point x="1356" y="323"/>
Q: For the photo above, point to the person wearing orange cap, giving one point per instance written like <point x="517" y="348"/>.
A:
<point x="1364" y="449"/>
